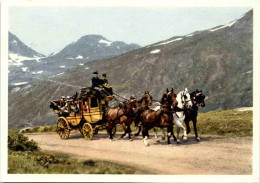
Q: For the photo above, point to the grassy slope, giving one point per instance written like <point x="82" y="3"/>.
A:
<point x="25" y="157"/>
<point x="226" y="122"/>
<point x="27" y="163"/>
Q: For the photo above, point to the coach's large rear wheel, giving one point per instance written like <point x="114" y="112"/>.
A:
<point x="63" y="128"/>
<point x="87" y="131"/>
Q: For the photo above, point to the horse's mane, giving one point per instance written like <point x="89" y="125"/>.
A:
<point x="191" y="94"/>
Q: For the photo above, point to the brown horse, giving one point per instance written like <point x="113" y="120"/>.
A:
<point x="197" y="99"/>
<point x="161" y="118"/>
<point x="143" y="104"/>
<point x="122" y="115"/>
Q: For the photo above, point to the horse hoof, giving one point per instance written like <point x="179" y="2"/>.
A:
<point x="146" y="144"/>
<point x="158" y="140"/>
<point x="198" y="139"/>
<point x="185" y="139"/>
<point x="131" y="139"/>
<point x="163" y="138"/>
<point x="112" y="140"/>
<point x="178" y="141"/>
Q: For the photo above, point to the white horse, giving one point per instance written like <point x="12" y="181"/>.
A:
<point x="184" y="101"/>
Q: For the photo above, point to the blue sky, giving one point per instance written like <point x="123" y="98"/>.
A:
<point x="48" y="30"/>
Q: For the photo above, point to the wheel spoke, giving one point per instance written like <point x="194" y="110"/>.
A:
<point x="62" y="128"/>
<point x="87" y="131"/>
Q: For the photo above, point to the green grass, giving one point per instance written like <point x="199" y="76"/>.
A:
<point x="225" y="122"/>
<point x="46" y="163"/>
<point x="25" y="157"/>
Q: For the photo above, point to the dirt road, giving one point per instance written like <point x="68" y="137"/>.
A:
<point x="213" y="155"/>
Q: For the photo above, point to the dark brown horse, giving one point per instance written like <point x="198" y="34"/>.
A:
<point x="143" y="104"/>
<point x="161" y="118"/>
<point x="122" y="115"/>
<point x="191" y="114"/>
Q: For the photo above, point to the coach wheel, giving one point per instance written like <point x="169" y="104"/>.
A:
<point x="87" y="131"/>
<point x="63" y="128"/>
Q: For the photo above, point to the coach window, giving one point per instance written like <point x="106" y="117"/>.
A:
<point x="94" y="102"/>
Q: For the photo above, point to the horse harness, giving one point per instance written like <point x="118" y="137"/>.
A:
<point x="124" y="114"/>
<point x="184" y="102"/>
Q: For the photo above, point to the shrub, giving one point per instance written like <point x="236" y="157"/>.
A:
<point x="19" y="142"/>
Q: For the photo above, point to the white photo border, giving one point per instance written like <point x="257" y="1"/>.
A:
<point x="255" y="4"/>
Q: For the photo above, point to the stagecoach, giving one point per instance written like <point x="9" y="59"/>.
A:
<point x="88" y="120"/>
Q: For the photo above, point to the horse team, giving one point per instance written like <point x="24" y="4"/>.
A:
<point x="173" y="110"/>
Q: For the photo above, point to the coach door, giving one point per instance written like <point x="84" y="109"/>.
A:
<point x="95" y="113"/>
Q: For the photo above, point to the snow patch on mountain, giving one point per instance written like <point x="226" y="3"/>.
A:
<point x="39" y="72"/>
<point x="24" y="69"/>
<point x="60" y="74"/>
<point x="79" y="57"/>
<point x="249" y="72"/>
<point x="105" y="42"/>
<point x="189" y="35"/>
<point x="167" y="42"/>
<point x="21" y="83"/>
<point x="62" y="66"/>
<point x="224" y="26"/>
<point x="17" y="59"/>
<point x="155" y="51"/>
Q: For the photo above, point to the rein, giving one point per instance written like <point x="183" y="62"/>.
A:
<point x="120" y="96"/>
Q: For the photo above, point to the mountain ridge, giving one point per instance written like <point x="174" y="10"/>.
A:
<point x="219" y="62"/>
<point x="24" y="68"/>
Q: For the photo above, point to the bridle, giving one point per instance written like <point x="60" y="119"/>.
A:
<point x="168" y="103"/>
<point x="183" y="99"/>
<point x="196" y="101"/>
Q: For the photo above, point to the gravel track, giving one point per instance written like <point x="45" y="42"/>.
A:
<point x="213" y="155"/>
